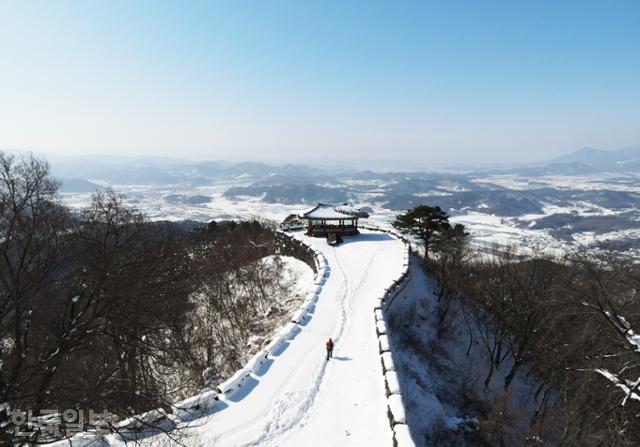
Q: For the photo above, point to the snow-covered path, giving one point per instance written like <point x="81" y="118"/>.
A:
<point x="303" y="400"/>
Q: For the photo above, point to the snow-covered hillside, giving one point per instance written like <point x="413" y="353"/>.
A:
<point x="298" y="397"/>
<point x="301" y="396"/>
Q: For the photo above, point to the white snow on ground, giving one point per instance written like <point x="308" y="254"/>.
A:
<point x="301" y="399"/>
<point x="423" y="407"/>
<point x="294" y="272"/>
<point x="438" y="372"/>
<point x="589" y="237"/>
<point x="150" y="199"/>
<point x="298" y="280"/>
<point x="351" y="405"/>
<point x="301" y="396"/>
<point x="488" y="230"/>
<point x="586" y="182"/>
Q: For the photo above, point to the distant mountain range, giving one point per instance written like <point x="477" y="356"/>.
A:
<point x="560" y="197"/>
<point x="161" y="171"/>
<point x="587" y="161"/>
<point x="144" y="170"/>
<point x="600" y="157"/>
<point x="77" y="185"/>
<point x="480" y="190"/>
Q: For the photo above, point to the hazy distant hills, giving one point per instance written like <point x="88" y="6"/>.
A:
<point x="77" y="185"/>
<point x="253" y="170"/>
<point x="160" y="171"/>
<point x="168" y="171"/>
<point x="114" y="174"/>
<point x="291" y="194"/>
<point x="588" y="192"/>
<point x="477" y="191"/>
<point x="599" y="157"/>
<point x="471" y="191"/>
<point x="587" y="161"/>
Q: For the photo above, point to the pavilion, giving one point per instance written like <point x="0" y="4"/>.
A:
<point x="333" y="220"/>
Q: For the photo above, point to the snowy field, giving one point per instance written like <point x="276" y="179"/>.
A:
<point x="151" y="200"/>
<point x="486" y="229"/>
<point x="624" y="182"/>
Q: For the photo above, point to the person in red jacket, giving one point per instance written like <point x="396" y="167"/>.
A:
<point x="329" y="349"/>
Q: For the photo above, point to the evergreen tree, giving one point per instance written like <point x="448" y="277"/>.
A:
<point x="424" y="222"/>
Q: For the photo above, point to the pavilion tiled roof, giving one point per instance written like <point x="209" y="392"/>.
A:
<point x="333" y="212"/>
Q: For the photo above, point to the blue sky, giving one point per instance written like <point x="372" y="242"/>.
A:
<point x="441" y="82"/>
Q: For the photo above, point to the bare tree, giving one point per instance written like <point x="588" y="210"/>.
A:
<point x="452" y="255"/>
<point x="32" y="249"/>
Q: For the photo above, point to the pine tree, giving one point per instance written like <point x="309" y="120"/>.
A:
<point x="425" y="223"/>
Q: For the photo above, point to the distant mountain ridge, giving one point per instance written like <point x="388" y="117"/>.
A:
<point x="600" y="159"/>
<point x="146" y="170"/>
<point x="584" y="161"/>
<point x="591" y="155"/>
<point x="160" y="171"/>
<point x="77" y="185"/>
